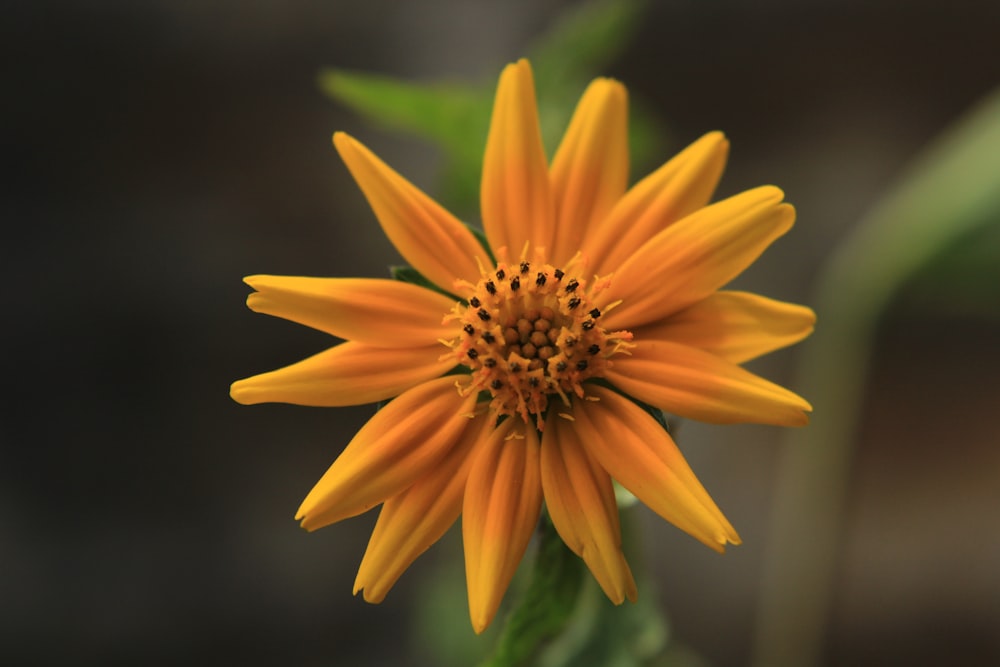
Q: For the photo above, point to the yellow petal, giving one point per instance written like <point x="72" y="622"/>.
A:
<point x="695" y="256"/>
<point x="430" y="238"/>
<point x="678" y="188"/>
<point x="413" y="520"/>
<point x="637" y="452"/>
<point x="387" y="313"/>
<point x="692" y="383"/>
<point x="348" y="374"/>
<point x="589" y="173"/>
<point x="580" y="499"/>
<point x="397" y="446"/>
<point x="503" y="499"/>
<point x="516" y="198"/>
<point x="737" y="326"/>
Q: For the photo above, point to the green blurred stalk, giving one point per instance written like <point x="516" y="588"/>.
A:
<point x="950" y="192"/>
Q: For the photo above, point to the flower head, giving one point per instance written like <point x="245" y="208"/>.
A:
<point x="520" y="387"/>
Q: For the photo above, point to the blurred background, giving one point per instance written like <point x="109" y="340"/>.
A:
<point x="158" y="151"/>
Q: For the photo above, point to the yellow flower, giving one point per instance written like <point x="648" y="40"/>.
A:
<point x="592" y="280"/>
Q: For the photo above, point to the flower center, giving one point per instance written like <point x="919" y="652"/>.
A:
<point x="530" y="330"/>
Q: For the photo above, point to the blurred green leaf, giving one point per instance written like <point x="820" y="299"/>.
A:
<point x="456" y="117"/>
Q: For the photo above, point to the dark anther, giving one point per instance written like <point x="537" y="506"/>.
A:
<point x="525" y="267"/>
<point x="488" y="337"/>
<point x="515" y="284"/>
<point x="533" y="381"/>
<point x="501" y="275"/>
<point x="469" y="329"/>
<point x="594" y="349"/>
<point x="558" y="273"/>
<point x="561" y="366"/>
<point x="573" y="303"/>
<point x="587" y="325"/>
<point x="515" y="367"/>
<point x="540" y="280"/>
<point x="489" y="362"/>
<point x="572" y="285"/>
<point x="570" y="341"/>
<point x="474" y="302"/>
<point x="496" y="384"/>
<point x="581" y="365"/>
<point x="472" y="353"/>
<point x="483" y="315"/>
<point x="595" y="313"/>
<point x="490" y="287"/>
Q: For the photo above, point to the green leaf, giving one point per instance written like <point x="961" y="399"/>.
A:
<point x="546" y="604"/>
<point x="454" y="117"/>
<point x="601" y="634"/>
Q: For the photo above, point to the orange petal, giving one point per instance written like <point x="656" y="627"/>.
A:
<point x="678" y="188"/>
<point x="387" y="313"/>
<point x="580" y="498"/>
<point x="589" y="173"/>
<point x="695" y="256"/>
<point x="692" y="383"/>
<point x="737" y="326"/>
<point x="637" y="452"/>
<point x="397" y="446"/>
<point x="516" y="198"/>
<point x="348" y="374"/>
<point x="413" y="520"/>
<point x="503" y="499"/>
<point x="430" y="238"/>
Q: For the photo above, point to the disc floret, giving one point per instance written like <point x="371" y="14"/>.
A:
<point x="529" y="330"/>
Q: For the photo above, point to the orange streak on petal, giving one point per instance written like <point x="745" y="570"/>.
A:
<point x="636" y="451"/>
<point x="503" y="500"/>
<point x="430" y="238"/>
<point x="589" y="173"/>
<point x="678" y="188"/>
<point x="737" y="326"/>
<point x="413" y="520"/>
<point x="692" y="383"/>
<point x="695" y="256"/>
<point x="387" y="313"/>
<point x="395" y="448"/>
<point x="580" y="499"/>
<point x="348" y="374"/>
<point x="516" y="198"/>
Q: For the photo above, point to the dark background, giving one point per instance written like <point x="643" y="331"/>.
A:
<point x="158" y="151"/>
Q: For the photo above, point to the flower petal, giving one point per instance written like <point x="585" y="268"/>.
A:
<point x="589" y="173"/>
<point x="516" y="198"/>
<point x="413" y="520"/>
<point x="503" y="500"/>
<point x="737" y="326"/>
<point x="580" y="498"/>
<point x="348" y="374"/>
<point x="637" y="452"/>
<point x="395" y="448"/>
<point x="695" y="256"/>
<point x="692" y="383"/>
<point x="430" y="238"/>
<point x="678" y="188"/>
<point x="387" y="313"/>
